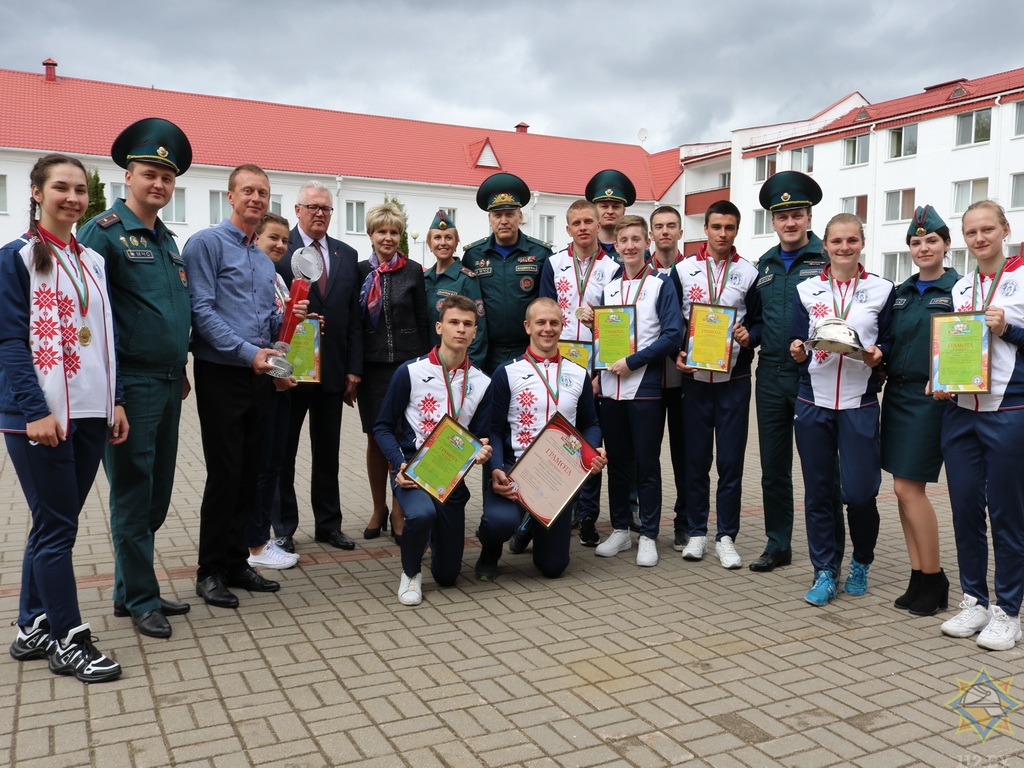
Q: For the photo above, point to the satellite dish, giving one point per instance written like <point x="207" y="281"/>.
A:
<point x="642" y="135"/>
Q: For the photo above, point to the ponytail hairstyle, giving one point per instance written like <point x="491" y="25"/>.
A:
<point x="42" y="261"/>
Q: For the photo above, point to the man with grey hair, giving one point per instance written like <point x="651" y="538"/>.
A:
<point x="335" y="298"/>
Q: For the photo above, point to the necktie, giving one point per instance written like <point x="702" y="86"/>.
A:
<point x="321" y="283"/>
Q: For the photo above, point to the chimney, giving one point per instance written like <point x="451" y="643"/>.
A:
<point x="522" y="128"/>
<point x="51" y="70"/>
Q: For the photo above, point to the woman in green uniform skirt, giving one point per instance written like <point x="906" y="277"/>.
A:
<point x="911" y="419"/>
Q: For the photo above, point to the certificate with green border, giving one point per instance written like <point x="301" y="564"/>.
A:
<point x="304" y="354"/>
<point x="960" y="352"/>
<point x="614" y="334"/>
<point x="580" y="352"/>
<point x="444" y="458"/>
<point x="709" y="337"/>
<point x="551" y="471"/>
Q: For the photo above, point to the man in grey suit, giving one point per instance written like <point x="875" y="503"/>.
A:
<point x="335" y="298"/>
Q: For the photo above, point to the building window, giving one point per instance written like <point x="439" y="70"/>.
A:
<point x="355" y="217"/>
<point x="903" y="141"/>
<point x="174" y="211"/>
<point x="220" y="208"/>
<point x="855" y="149"/>
<point x="275" y="204"/>
<point x="762" y="222"/>
<point x="803" y="159"/>
<point x="896" y="266"/>
<point x="858" y="206"/>
<point x="725" y="179"/>
<point x="118" y="191"/>
<point x="1018" y="123"/>
<point x="546" y="228"/>
<point x="3" y="194"/>
<point x="1016" y="191"/>
<point x="899" y="205"/>
<point x="764" y="166"/>
<point x="967" y="192"/>
<point x="974" y="127"/>
<point x="962" y="261"/>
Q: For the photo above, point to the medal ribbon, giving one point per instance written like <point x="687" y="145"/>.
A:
<point x="831" y="286"/>
<point x="75" y="269"/>
<point x="991" y="290"/>
<point x="643" y="279"/>
<point x="452" y="411"/>
<point x="554" y="393"/>
<point x="713" y="289"/>
<point x="581" y="280"/>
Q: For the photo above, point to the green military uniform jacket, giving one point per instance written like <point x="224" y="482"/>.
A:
<point x="776" y="288"/>
<point x="457" y="280"/>
<point x="910" y="361"/>
<point x="148" y="292"/>
<point x="508" y="285"/>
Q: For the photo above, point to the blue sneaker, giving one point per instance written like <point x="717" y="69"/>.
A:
<point x="824" y="589"/>
<point x="857" y="579"/>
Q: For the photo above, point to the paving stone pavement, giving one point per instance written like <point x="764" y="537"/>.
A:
<point x="610" y="665"/>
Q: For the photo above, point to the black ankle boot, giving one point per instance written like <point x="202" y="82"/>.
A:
<point x="933" y="596"/>
<point x="904" y="601"/>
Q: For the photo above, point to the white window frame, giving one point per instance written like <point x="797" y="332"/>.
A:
<point x="849" y="205"/>
<point x="765" y="166"/>
<point x="725" y="179"/>
<point x="1017" y="190"/>
<point x="276" y="204"/>
<point x="802" y="159"/>
<point x="898" y="141"/>
<point x="546" y="228"/>
<point x="3" y="194"/>
<point x="856" y="150"/>
<point x="968" y="122"/>
<point x="962" y="261"/>
<point x="762" y="223"/>
<point x="1018" y="120"/>
<point x="174" y="211"/>
<point x="897" y="266"/>
<point x="220" y="208"/>
<point x="967" y="192"/>
<point x="899" y="205"/>
<point x="118" y="191"/>
<point x="355" y="217"/>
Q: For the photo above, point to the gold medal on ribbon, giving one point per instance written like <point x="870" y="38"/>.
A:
<point x="84" y="336"/>
<point x="579" y="312"/>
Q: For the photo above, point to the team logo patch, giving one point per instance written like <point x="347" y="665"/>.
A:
<point x="438" y="305"/>
<point x="861" y="297"/>
<point x="479" y="307"/>
<point x="1009" y="288"/>
<point x="526" y="284"/>
<point x="735" y="278"/>
<point x="565" y="381"/>
<point x="599" y="275"/>
<point x="182" y="277"/>
<point x="643" y="295"/>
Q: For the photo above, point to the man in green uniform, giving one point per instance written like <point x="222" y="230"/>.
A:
<point x="448" y="277"/>
<point x="149" y="295"/>
<point x="508" y="265"/>
<point x="798" y="256"/>
<point x="612" y="193"/>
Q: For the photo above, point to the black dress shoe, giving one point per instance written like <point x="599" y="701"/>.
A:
<point x="252" y="581"/>
<point x="153" y="624"/>
<point x="769" y="561"/>
<point x="336" y="539"/>
<point x="287" y="544"/>
<point x="215" y="592"/>
<point x="167" y="608"/>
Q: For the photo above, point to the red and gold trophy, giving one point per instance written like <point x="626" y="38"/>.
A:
<point x="307" y="266"/>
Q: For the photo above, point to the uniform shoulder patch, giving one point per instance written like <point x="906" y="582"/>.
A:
<point x="107" y="219"/>
<point x="468" y="272"/>
<point x="481" y="241"/>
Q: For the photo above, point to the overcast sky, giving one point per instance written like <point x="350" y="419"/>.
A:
<point x="684" y="71"/>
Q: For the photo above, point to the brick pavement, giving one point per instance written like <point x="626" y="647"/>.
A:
<point x="611" y="665"/>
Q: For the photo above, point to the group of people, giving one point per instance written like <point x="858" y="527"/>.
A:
<point x="96" y="326"/>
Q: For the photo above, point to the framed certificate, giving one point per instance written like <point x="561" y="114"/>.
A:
<point x="614" y="334"/>
<point x="580" y="352"/>
<point x="444" y="458"/>
<point x="709" y="338"/>
<point x="550" y="472"/>
<point x="304" y="354"/>
<point x="960" y="352"/>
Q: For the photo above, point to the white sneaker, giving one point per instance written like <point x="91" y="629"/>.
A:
<point x="1001" y="633"/>
<point x="726" y="553"/>
<point x="410" y="590"/>
<point x="619" y="541"/>
<point x="647" y="552"/>
<point x="695" y="548"/>
<point x="273" y="557"/>
<point x="971" y="619"/>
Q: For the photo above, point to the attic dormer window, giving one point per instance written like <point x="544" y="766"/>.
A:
<point x="487" y="157"/>
<point x="862" y="115"/>
<point x="958" y="92"/>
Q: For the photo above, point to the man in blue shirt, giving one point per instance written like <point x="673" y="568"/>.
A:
<point x="231" y="285"/>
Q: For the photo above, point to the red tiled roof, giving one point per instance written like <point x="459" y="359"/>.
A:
<point x="83" y="117"/>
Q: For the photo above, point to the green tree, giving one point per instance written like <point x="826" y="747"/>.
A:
<point x="403" y="244"/>
<point x="97" y="200"/>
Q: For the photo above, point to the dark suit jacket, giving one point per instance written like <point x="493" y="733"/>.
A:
<point x="341" y="339"/>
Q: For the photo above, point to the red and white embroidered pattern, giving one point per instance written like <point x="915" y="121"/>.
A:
<point x="45" y="358"/>
<point x="526" y="399"/>
<point x="696" y="294"/>
<point x="821" y="355"/>
<point x="428" y="404"/>
<point x="820" y="310"/>
<point x="54" y="314"/>
<point x="524" y="438"/>
<point x="965" y="307"/>
<point x="563" y="286"/>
